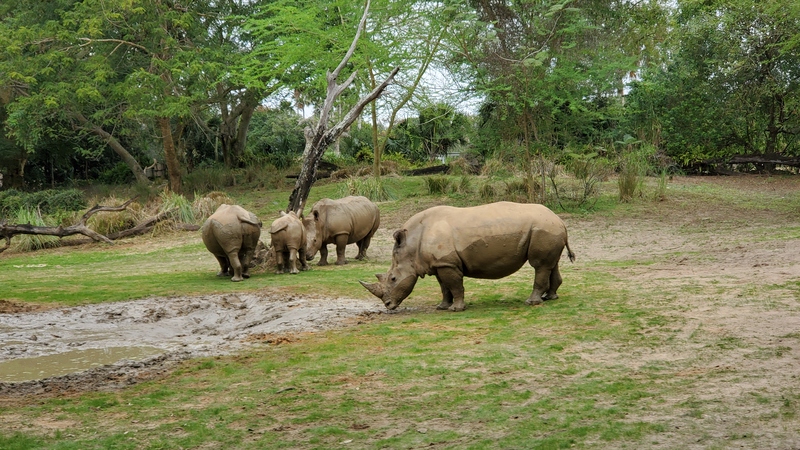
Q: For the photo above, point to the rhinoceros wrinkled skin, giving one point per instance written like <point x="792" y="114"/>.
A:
<point x="348" y="220"/>
<point x="231" y="234"/>
<point x="288" y="239"/>
<point x="489" y="241"/>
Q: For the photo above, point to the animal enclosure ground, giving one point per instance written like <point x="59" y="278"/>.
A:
<point x="677" y="327"/>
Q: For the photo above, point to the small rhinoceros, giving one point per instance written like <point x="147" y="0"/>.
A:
<point x="289" y="243"/>
<point x="490" y="241"/>
<point x="348" y="220"/>
<point x="231" y="234"/>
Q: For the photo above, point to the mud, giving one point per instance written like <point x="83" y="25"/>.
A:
<point x="116" y="344"/>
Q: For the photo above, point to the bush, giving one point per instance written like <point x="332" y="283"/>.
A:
<point x="120" y="174"/>
<point x="49" y="201"/>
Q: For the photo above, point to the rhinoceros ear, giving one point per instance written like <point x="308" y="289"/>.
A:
<point x="400" y="237"/>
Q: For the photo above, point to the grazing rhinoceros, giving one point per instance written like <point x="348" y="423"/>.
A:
<point x="289" y="243"/>
<point x="489" y="241"/>
<point x="231" y="234"/>
<point x="340" y="222"/>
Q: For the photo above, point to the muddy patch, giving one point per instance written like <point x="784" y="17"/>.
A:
<point x="116" y="344"/>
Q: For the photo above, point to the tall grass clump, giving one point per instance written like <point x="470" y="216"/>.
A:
<point x="181" y="207"/>
<point x="29" y="242"/>
<point x="487" y="192"/>
<point x="463" y="185"/>
<point x="206" y="205"/>
<point x="108" y="222"/>
<point x="373" y="188"/>
<point x="437" y="185"/>
<point x="588" y="170"/>
<point x="633" y="166"/>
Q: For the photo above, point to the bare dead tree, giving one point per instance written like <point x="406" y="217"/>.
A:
<point x="319" y="138"/>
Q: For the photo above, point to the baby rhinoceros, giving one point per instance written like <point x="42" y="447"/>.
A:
<point x="489" y="241"/>
<point x="289" y="243"/>
<point x="231" y="234"/>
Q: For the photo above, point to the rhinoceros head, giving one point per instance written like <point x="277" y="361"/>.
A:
<point x="395" y="285"/>
<point x="312" y="242"/>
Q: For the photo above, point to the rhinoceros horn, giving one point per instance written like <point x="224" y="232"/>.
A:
<point x="375" y="288"/>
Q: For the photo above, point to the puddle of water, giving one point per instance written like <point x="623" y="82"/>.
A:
<point x="26" y="369"/>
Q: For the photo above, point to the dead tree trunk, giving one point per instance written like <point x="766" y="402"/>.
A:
<point x="320" y="137"/>
<point x="9" y="231"/>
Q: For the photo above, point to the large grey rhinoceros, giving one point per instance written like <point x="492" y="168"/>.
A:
<point x="232" y="234"/>
<point x="348" y="220"/>
<point x="489" y="241"/>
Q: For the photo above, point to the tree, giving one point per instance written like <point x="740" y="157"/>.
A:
<point x="541" y="65"/>
<point x="320" y="137"/>
<point x="732" y="84"/>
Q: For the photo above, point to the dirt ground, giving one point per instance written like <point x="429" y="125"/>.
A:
<point x="695" y="247"/>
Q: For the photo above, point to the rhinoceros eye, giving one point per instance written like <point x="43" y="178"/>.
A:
<point x="394" y="278"/>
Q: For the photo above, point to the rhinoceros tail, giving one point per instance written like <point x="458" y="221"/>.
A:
<point x="569" y="253"/>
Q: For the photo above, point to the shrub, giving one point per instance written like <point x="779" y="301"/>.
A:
<point x="120" y="174"/>
<point x="49" y="201"/>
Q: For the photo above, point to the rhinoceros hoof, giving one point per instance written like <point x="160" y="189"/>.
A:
<point x="341" y="263"/>
<point x="534" y="301"/>
<point x="235" y="279"/>
<point x="455" y="308"/>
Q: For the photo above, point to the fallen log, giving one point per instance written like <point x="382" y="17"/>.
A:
<point x="8" y="231"/>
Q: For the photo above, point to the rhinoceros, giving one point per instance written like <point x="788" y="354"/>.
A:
<point x="489" y="241"/>
<point x="232" y="234"/>
<point x="288" y="238"/>
<point x="348" y="220"/>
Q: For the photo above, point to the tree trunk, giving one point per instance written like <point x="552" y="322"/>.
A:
<point x="233" y="126"/>
<point x="120" y="150"/>
<point x="318" y="139"/>
<point x="170" y="156"/>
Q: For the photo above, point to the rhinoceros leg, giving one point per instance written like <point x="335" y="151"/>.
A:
<point x="447" y="296"/>
<point x="224" y="267"/>
<point x="363" y="245"/>
<point x="341" y="246"/>
<point x="301" y="254"/>
<point x="555" y="282"/>
<point x="323" y="256"/>
<point x="541" y="284"/>
<point x="452" y="283"/>
<point x="293" y="261"/>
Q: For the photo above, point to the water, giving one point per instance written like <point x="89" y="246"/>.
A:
<point x="26" y="369"/>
